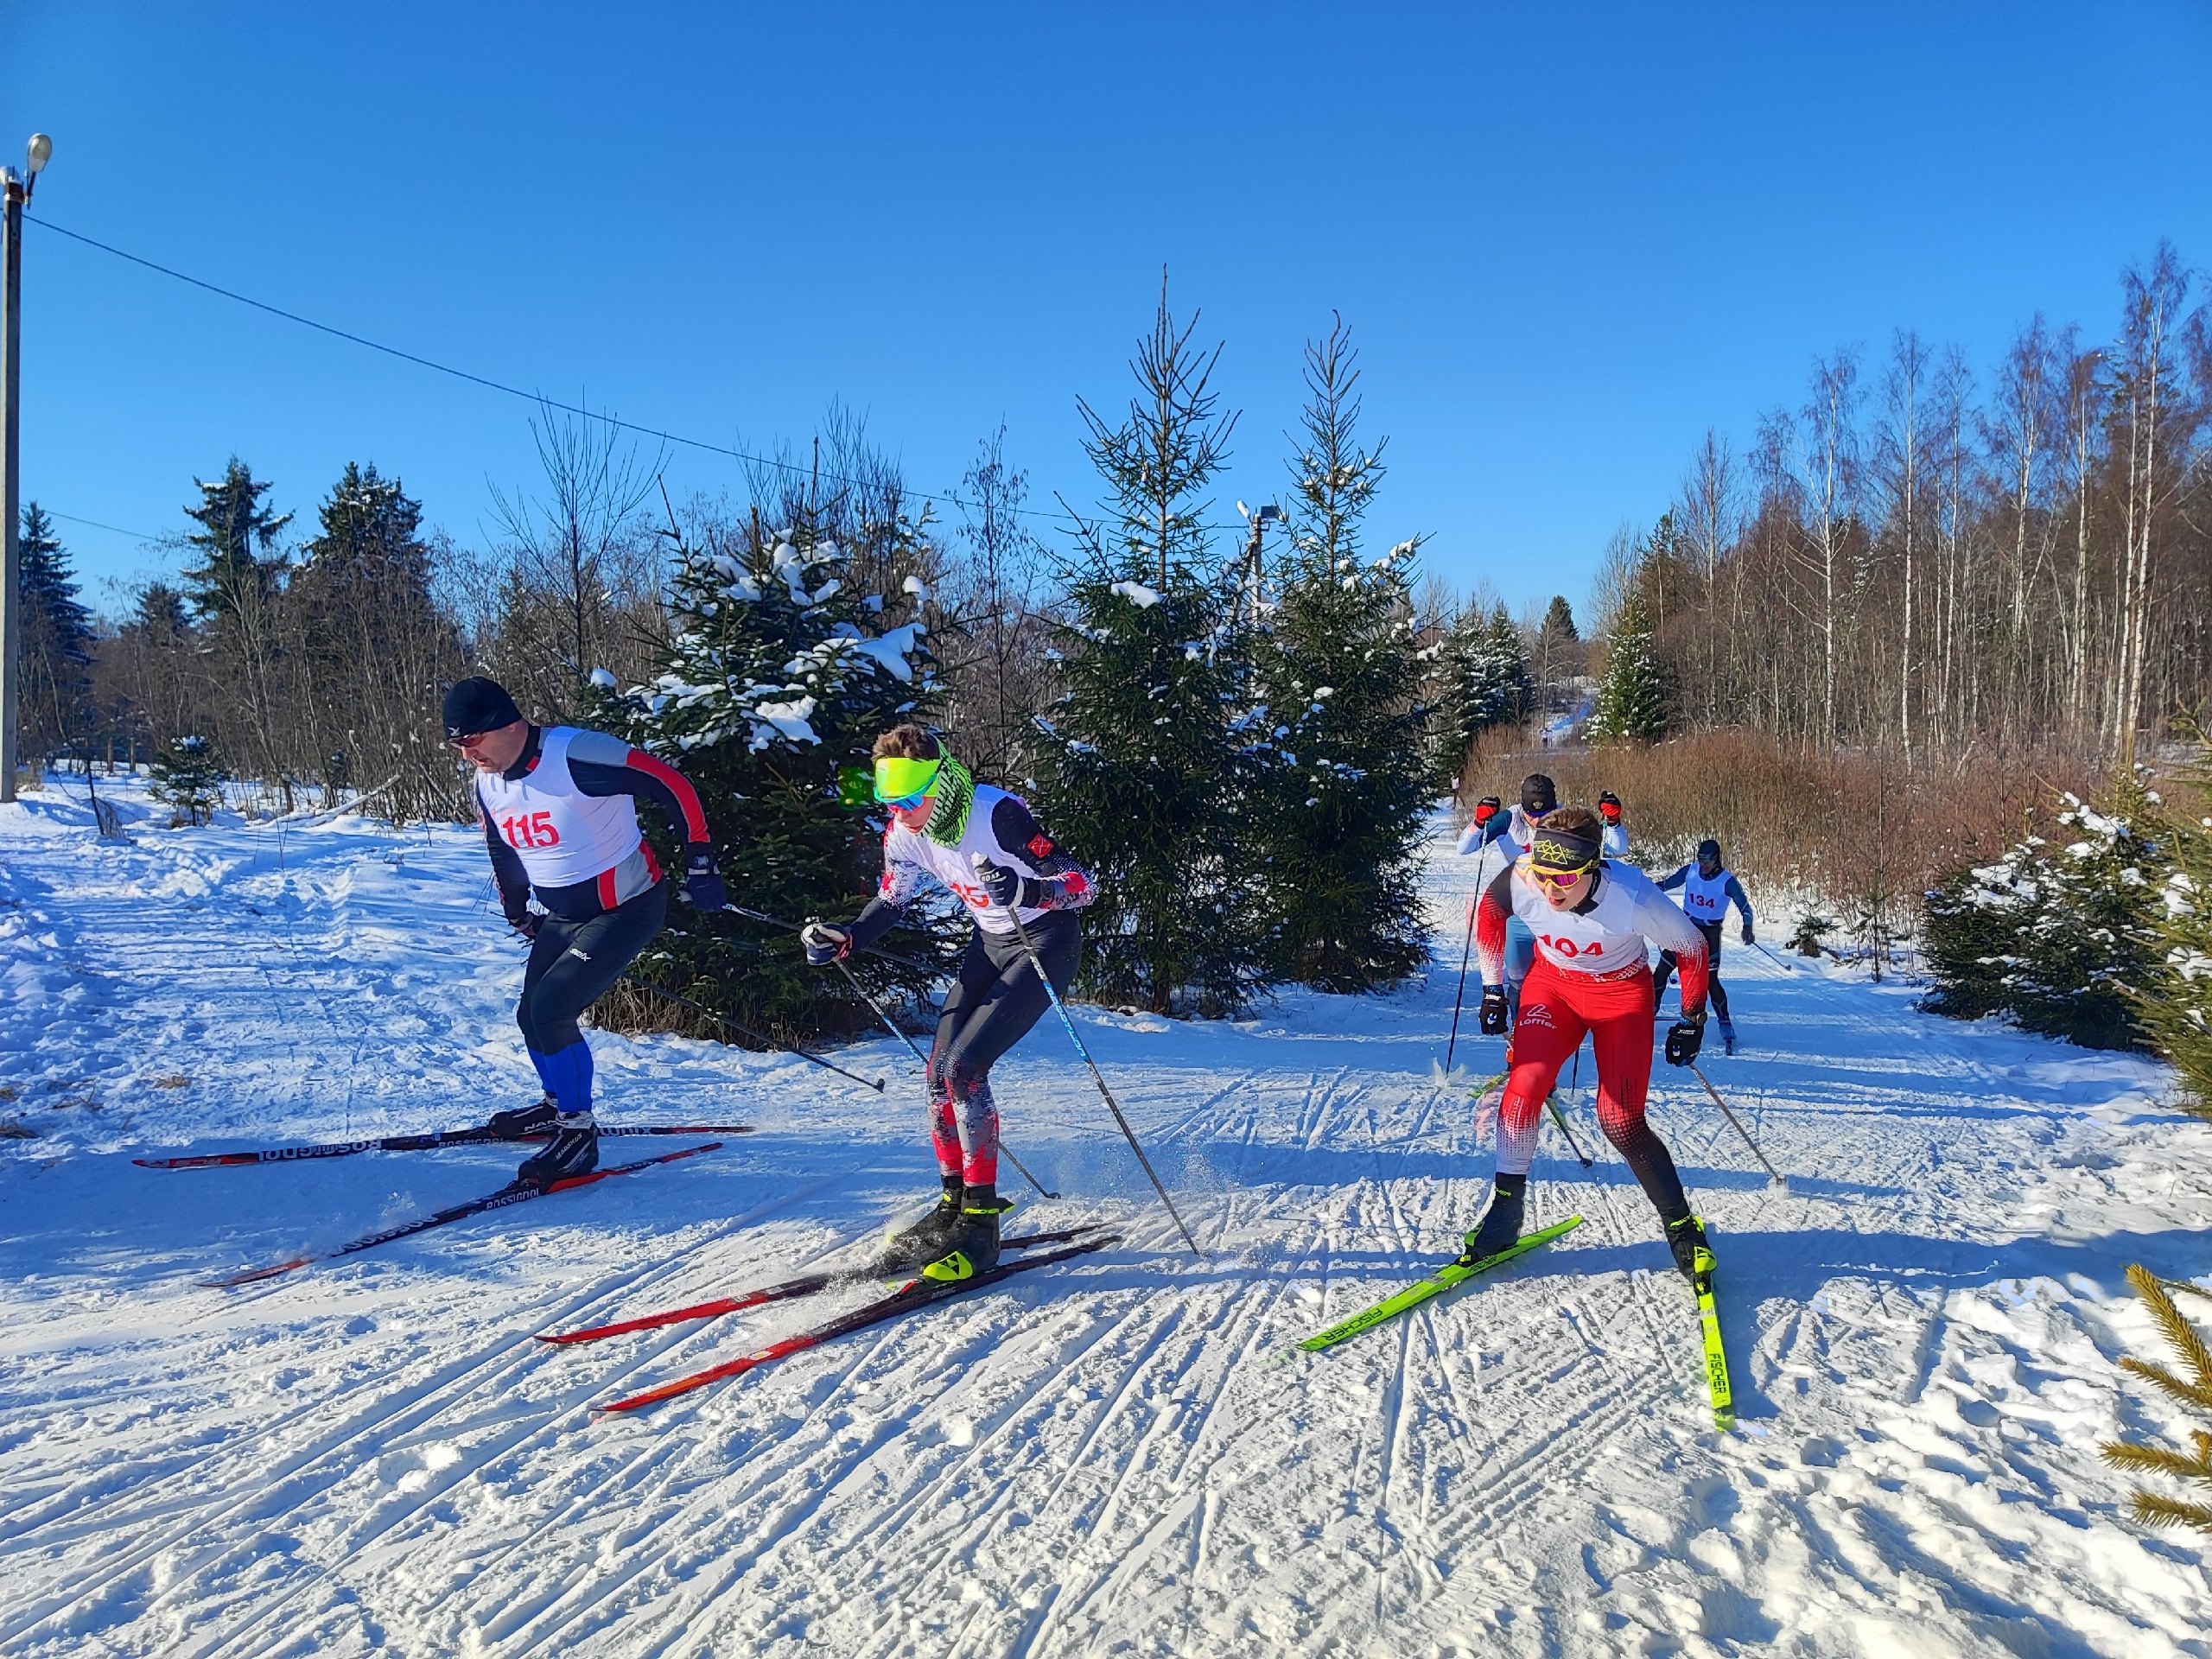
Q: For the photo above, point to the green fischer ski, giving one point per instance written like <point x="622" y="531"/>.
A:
<point x="1716" y="1357"/>
<point x="1436" y="1284"/>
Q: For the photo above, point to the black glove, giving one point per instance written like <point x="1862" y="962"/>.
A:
<point x="526" y="922"/>
<point x="1002" y="885"/>
<point x="1684" y="1038"/>
<point x="703" y="882"/>
<point x="1492" y="1017"/>
<point x="825" y="943"/>
<point x="1750" y="937"/>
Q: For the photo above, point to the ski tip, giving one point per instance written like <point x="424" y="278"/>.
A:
<point x="256" y="1276"/>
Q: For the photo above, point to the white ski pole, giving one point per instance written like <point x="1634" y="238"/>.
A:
<point x="1029" y="949"/>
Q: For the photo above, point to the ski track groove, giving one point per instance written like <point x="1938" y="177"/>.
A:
<point x="404" y="1417"/>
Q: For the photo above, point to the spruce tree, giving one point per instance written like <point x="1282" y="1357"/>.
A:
<point x="1484" y="681"/>
<point x="54" y="671"/>
<point x="237" y="533"/>
<point x="1558" y="620"/>
<point x="1632" y="696"/>
<point x="2174" y="1006"/>
<point x="1338" y="677"/>
<point x="773" y="677"/>
<point x="186" y="778"/>
<point x="2062" y="933"/>
<point x="1147" y="777"/>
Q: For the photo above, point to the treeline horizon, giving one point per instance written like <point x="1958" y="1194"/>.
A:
<point x="1914" y="558"/>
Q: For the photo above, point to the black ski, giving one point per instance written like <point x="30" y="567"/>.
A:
<point x="517" y="1192"/>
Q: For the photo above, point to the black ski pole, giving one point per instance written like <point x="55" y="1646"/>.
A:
<point x="1459" y="995"/>
<point x="797" y="927"/>
<point x="1559" y="1118"/>
<point x="1029" y="949"/>
<point x="1774" y="1176"/>
<point x="914" y="1049"/>
<point x="875" y="1083"/>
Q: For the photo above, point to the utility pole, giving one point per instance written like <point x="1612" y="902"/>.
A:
<point x="17" y="191"/>
<point x="1248" y="583"/>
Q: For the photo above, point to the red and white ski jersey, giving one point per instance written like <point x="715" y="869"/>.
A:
<point x="1000" y="827"/>
<point x="1608" y="934"/>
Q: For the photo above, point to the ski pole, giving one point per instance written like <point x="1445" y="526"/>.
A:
<point x="1559" y="1118"/>
<point x="1465" y="951"/>
<point x="796" y="927"/>
<point x="1773" y="1175"/>
<point x="860" y="991"/>
<point x="1029" y="949"/>
<point x="875" y="1083"/>
<point x="1760" y="947"/>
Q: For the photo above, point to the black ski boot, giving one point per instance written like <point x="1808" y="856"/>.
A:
<point x="1686" y="1238"/>
<point x="1501" y="1224"/>
<point x="573" y="1151"/>
<point x="535" y="1118"/>
<point x="928" y="1238"/>
<point x="973" y="1247"/>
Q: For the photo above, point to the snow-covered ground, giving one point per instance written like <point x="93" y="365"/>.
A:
<point x="374" y="1456"/>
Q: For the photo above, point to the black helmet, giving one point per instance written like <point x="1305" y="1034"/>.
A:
<point x="1538" y="795"/>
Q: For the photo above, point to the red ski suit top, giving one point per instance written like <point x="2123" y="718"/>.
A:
<point x="1592" y="976"/>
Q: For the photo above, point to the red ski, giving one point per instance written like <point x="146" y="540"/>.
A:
<point x="426" y="1142"/>
<point x="918" y="1292"/>
<point x="516" y="1193"/>
<point x="790" y="1290"/>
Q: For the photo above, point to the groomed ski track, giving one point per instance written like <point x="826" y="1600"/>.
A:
<point x="373" y="1457"/>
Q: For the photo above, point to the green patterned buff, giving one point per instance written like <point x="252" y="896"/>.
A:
<point x="956" y="793"/>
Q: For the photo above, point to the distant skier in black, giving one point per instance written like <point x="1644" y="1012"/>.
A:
<point x="982" y="845"/>
<point x="556" y="807"/>
<point x="1707" y="891"/>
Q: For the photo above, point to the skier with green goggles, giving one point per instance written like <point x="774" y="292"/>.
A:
<point x="984" y="846"/>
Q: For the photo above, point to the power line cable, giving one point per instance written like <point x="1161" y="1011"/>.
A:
<point x="538" y="398"/>
<point x="97" y="525"/>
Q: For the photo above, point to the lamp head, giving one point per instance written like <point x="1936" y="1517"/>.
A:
<point x="38" y="152"/>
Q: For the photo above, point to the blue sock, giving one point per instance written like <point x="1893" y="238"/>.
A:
<point x="567" y="1073"/>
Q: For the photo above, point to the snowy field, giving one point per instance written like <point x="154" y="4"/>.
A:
<point x="373" y="1456"/>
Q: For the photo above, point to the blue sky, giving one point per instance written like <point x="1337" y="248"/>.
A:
<point x="1564" y="247"/>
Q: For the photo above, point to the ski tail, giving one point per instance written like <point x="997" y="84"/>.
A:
<point x="513" y="1193"/>
<point x="1716" y="1356"/>
<point x="915" y="1293"/>
<point x="789" y="1290"/>
<point x="1445" y="1278"/>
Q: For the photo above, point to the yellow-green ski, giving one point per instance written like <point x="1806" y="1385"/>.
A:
<point x="1716" y="1357"/>
<point x="1444" y="1277"/>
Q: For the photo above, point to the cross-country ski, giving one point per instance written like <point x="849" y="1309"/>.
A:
<point x="1527" y="697"/>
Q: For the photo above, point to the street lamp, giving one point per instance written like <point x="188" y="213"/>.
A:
<point x="17" y="191"/>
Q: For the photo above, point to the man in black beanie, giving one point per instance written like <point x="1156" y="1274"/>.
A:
<point x="559" y="819"/>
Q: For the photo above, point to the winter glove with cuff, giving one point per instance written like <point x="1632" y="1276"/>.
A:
<point x="703" y="882"/>
<point x="1684" y="1038"/>
<point x="824" y="943"/>
<point x="526" y="921"/>
<point x="1002" y="885"/>
<point x="1492" y="1017"/>
<point x="1750" y="937"/>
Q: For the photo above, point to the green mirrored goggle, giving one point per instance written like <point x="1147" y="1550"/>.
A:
<point x="902" y="782"/>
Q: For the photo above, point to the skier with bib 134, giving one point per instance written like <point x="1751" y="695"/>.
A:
<point x="1708" y="888"/>
<point x="1591" y="916"/>
<point x="557" y="804"/>
<point x="982" y="845"/>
